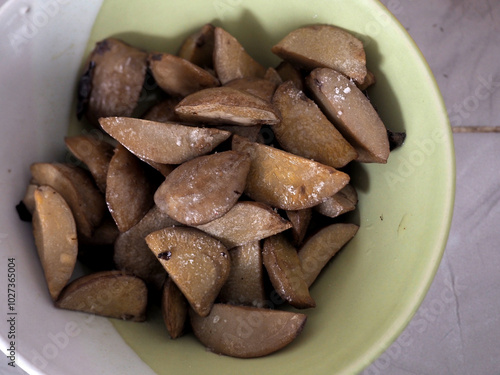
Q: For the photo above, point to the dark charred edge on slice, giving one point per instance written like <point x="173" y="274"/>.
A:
<point x="396" y="139"/>
<point x="84" y="90"/>
<point x="156" y="56"/>
<point x="165" y="255"/>
<point x="23" y="212"/>
<point x="102" y="47"/>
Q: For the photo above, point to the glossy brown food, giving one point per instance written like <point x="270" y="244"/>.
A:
<point x="325" y="46"/>
<point x="177" y="76"/>
<point x="132" y="254"/>
<point x="245" y="284"/>
<point x="288" y="72"/>
<point x="29" y="197"/>
<point x="246" y="222"/>
<point x="165" y="143"/>
<point x="320" y="248"/>
<point x="199" y="47"/>
<point x="343" y="201"/>
<point x="305" y="131"/>
<point x="95" y="153"/>
<point x="163" y="111"/>
<point x="117" y="77"/>
<point x="226" y="105"/>
<point x="352" y="113"/>
<point x="231" y="61"/>
<point x="55" y="235"/>
<point x="300" y="220"/>
<point x="246" y="332"/>
<point x="77" y="188"/>
<point x="260" y="87"/>
<point x="273" y="76"/>
<point x="283" y="266"/>
<point x="174" y="309"/>
<point x="205" y="188"/>
<point x="109" y="293"/>
<point x="285" y="180"/>
<point x="129" y="194"/>
<point x="197" y="263"/>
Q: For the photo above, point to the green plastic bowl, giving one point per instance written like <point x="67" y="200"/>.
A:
<point x="373" y="287"/>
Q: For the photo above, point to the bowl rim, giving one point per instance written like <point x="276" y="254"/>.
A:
<point x="446" y="218"/>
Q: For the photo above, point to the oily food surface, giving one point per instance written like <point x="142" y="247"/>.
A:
<point x="227" y="188"/>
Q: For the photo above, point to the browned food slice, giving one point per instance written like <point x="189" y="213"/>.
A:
<point x="288" y="72"/>
<point x="273" y="76"/>
<point x="205" y="188"/>
<point x="246" y="222"/>
<point x="55" y="235"/>
<point x="320" y="248"/>
<point x="287" y="181"/>
<point x="197" y="263"/>
<point x="199" y="47"/>
<point x="226" y="105"/>
<point x="352" y="113"/>
<point x="343" y="201"/>
<point x="165" y="143"/>
<point x="108" y="293"/>
<point x="369" y="81"/>
<point x="260" y="87"/>
<point x="283" y="266"/>
<point x="300" y="220"/>
<point x="324" y="46"/>
<point x="246" y="332"/>
<point x="132" y="253"/>
<point x="163" y="111"/>
<point x="95" y="153"/>
<point x="129" y="194"/>
<point x="117" y="74"/>
<point x="305" y="131"/>
<point x="245" y="284"/>
<point x="231" y="61"/>
<point x="78" y="190"/>
<point x="29" y="197"/>
<point x="174" y="309"/>
<point x="178" y="76"/>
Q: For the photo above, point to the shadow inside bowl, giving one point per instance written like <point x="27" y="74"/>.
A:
<point x="391" y="116"/>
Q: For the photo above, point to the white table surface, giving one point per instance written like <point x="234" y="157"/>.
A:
<point x="456" y="331"/>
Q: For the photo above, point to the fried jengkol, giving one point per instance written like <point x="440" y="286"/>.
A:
<point x="108" y="293"/>
<point x="197" y="263"/>
<point x="247" y="184"/>
<point x="352" y="113"/>
<point x="55" y="236"/>
<point x="324" y="46"/>
<point x="113" y="81"/>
